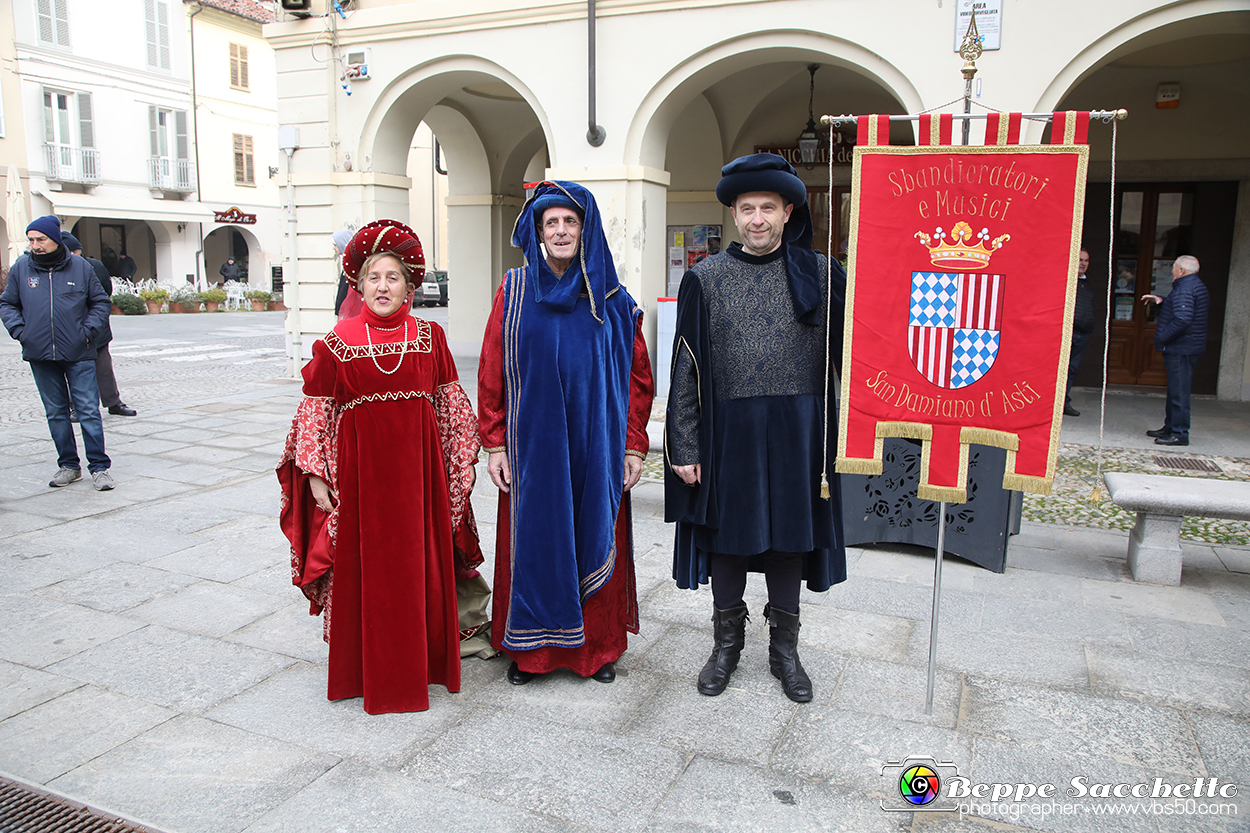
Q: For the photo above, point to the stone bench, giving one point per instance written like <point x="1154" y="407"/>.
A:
<point x="1160" y="501"/>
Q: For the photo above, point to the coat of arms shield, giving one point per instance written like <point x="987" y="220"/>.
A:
<point x="953" y="326"/>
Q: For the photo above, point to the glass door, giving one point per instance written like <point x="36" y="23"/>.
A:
<point x="1153" y="228"/>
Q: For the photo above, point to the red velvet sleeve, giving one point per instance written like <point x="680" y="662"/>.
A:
<point x="457" y="428"/>
<point x="492" y="406"/>
<point x="311" y="448"/>
<point x="641" y="392"/>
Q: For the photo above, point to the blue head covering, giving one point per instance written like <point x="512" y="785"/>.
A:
<point x="70" y="241"/>
<point x="49" y="226"/>
<point x="770" y="172"/>
<point x="592" y="271"/>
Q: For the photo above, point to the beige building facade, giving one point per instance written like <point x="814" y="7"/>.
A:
<point x="681" y="88"/>
<point x="126" y="111"/>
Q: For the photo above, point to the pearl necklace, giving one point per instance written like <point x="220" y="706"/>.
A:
<point x="402" y="350"/>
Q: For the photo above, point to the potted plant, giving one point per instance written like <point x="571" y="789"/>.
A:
<point x="184" y="299"/>
<point x="276" y="305"/>
<point x="114" y="308"/>
<point x="213" y="298"/>
<point x="130" y="304"/>
<point x="259" y="298"/>
<point x="154" y="298"/>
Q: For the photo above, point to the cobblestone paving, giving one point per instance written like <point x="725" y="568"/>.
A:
<point x="1070" y="504"/>
<point x="153" y="372"/>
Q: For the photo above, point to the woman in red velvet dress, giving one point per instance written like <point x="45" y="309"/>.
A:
<point x="376" y="479"/>
<point x="564" y="393"/>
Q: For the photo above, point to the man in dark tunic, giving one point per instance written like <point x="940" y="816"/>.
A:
<point x="1082" y="325"/>
<point x="747" y="434"/>
<point x="106" y="379"/>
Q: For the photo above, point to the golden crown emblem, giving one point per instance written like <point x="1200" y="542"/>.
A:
<point x="960" y="251"/>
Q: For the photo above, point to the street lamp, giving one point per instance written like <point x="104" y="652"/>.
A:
<point x="809" y="141"/>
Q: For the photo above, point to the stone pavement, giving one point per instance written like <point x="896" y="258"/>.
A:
<point x="155" y="660"/>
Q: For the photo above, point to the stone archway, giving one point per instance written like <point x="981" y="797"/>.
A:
<point x="485" y="120"/>
<point x="727" y="99"/>
<point x="1188" y="161"/>
<point x="217" y="246"/>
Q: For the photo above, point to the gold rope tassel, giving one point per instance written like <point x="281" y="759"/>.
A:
<point x="824" y="487"/>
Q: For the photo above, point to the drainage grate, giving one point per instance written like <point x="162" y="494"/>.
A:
<point x="1188" y="463"/>
<point x="29" y="808"/>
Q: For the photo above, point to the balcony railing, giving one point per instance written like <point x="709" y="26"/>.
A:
<point x="66" y="163"/>
<point x="165" y="174"/>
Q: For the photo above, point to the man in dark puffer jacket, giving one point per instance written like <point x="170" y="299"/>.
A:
<point x="1181" y="336"/>
<point x="55" y="306"/>
<point x="1082" y="326"/>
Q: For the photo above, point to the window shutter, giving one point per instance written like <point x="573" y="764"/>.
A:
<point x="249" y="161"/>
<point x="61" y="7"/>
<point x="149" y="19"/>
<point x="180" y="134"/>
<point x="85" y="129"/>
<point x="47" y="25"/>
<point x="162" y="32"/>
<point x="49" y="118"/>
<point x="153" y="131"/>
<point x="238" y="158"/>
<point x="243" y="67"/>
<point x="234" y="65"/>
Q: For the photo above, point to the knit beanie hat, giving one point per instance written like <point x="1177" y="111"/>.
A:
<point x="49" y="226"/>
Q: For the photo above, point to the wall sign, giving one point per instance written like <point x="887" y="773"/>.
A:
<point x="989" y="21"/>
<point x="234" y="215"/>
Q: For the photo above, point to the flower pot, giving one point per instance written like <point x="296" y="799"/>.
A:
<point x="116" y="310"/>
<point x="154" y="307"/>
<point x="194" y="306"/>
<point x="276" y="306"/>
<point x="212" y="306"/>
<point x="258" y="306"/>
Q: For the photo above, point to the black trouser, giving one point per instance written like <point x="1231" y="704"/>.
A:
<point x="783" y="572"/>
<point x="107" y="382"/>
<point x="1079" y="340"/>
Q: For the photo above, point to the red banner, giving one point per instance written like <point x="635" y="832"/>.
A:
<point x="961" y="283"/>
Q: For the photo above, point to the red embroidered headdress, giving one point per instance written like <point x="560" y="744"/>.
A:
<point x="388" y="236"/>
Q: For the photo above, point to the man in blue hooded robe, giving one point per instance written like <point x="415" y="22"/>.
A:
<point x="759" y="327"/>
<point x="564" y="394"/>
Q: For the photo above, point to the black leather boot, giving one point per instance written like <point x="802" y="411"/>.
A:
<point x="783" y="654"/>
<point x="728" y="633"/>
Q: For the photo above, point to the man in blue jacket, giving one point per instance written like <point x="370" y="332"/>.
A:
<point x="1181" y="336"/>
<point x="55" y="306"/>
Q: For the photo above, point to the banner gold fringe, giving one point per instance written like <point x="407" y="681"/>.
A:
<point x="937" y="494"/>
<point x="988" y="436"/>
<point x="908" y="430"/>
<point x="1027" y="483"/>
<point x="857" y="465"/>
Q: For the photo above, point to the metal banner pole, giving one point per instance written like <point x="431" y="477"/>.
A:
<point x="1101" y="115"/>
<point x="937" y="601"/>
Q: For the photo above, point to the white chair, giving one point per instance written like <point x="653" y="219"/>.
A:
<point x="235" y="297"/>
